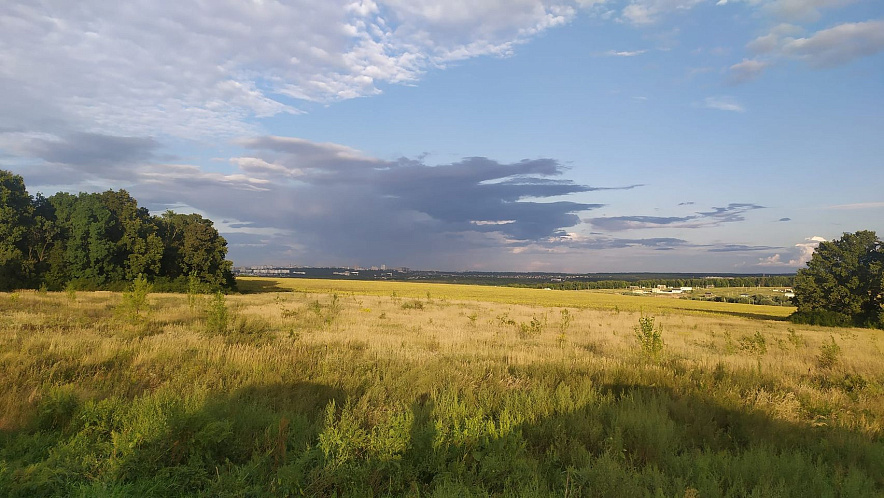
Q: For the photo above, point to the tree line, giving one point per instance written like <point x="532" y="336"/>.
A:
<point x="102" y="241"/>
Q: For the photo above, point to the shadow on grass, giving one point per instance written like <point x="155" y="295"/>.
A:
<point x="257" y="285"/>
<point x="308" y="439"/>
<point x="748" y="314"/>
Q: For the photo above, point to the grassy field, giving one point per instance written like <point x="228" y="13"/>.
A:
<point x="323" y="388"/>
<point x="594" y="299"/>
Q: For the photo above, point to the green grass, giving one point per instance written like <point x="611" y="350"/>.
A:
<point x="368" y="394"/>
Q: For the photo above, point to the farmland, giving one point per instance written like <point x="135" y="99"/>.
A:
<point x="317" y="387"/>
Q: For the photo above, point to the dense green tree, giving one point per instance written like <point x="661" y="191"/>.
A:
<point x="139" y="247"/>
<point x="102" y="239"/>
<point x="844" y="278"/>
<point x="16" y="218"/>
<point x="194" y="247"/>
<point x="91" y="253"/>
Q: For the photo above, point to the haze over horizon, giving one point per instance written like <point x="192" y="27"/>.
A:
<point x="500" y="135"/>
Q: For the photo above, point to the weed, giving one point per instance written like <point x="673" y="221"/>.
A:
<point x="754" y="345"/>
<point x="505" y="319"/>
<point x="650" y="338"/>
<point x="413" y="305"/>
<point x="473" y="317"/>
<point x="829" y="355"/>
<point x="796" y="339"/>
<point x="530" y="329"/>
<point x="134" y="304"/>
<point x="217" y="314"/>
<point x="195" y="289"/>
<point x="71" y="291"/>
<point x="565" y="322"/>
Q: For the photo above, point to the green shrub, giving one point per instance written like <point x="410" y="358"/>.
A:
<point x="821" y="317"/>
<point x="413" y="305"/>
<point x="134" y="305"/>
<point x="530" y="329"/>
<point x="650" y="338"/>
<point x="829" y="355"/>
<point x="755" y="344"/>
<point x="217" y="314"/>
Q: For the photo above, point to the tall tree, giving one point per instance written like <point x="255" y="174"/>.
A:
<point x="844" y="276"/>
<point x="194" y="247"/>
<point x="139" y="247"/>
<point x="16" y="218"/>
<point x="92" y="253"/>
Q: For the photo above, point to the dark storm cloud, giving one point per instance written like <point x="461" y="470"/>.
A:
<point x="785" y="219"/>
<point x="93" y="150"/>
<point x="742" y="248"/>
<point x="733" y="212"/>
<point x="334" y="202"/>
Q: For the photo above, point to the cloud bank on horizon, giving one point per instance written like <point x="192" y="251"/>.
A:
<point x="289" y="123"/>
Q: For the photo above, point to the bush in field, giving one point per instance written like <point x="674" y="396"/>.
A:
<point x="530" y="329"/>
<point x="134" y="305"/>
<point x="217" y="314"/>
<point x="755" y="344"/>
<point x="650" y="338"/>
<point x="829" y="355"/>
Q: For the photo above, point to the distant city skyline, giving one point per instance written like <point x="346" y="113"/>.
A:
<point x="572" y="136"/>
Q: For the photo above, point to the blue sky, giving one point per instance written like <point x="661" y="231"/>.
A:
<point x="587" y="135"/>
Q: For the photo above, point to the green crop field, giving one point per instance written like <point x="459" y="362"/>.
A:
<point x="348" y="388"/>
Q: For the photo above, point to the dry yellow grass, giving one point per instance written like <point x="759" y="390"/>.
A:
<point x="391" y="341"/>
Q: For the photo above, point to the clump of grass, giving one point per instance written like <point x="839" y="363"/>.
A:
<point x="650" y="338"/>
<point x="413" y="305"/>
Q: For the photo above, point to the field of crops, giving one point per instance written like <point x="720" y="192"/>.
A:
<point x="321" y="388"/>
<point x="595" y="299"/>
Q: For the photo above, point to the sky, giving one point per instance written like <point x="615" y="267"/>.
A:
<point x="722" y="136"/>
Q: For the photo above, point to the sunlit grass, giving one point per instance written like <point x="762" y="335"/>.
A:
<point x="467" y="390"/>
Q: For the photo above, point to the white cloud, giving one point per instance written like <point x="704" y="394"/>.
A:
<point x="860" y="205"/>
<point x="800" y="255"/>
<point x="624" y="53"/>
<point x="723" y="104"/>
<point x="745" y="71"/>
<point x="196" y="69"/>
<point x="802" y="10"/>
<point x="837" y="45"/>
<point x="830" y="47"/>
<point x="646" y="12"/>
